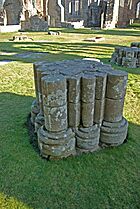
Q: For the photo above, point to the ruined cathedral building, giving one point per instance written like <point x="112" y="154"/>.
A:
<point x="92" y="13"/>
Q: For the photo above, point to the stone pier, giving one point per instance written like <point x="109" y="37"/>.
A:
<point x="78" y="107"/>
<point x="127" y="56"/>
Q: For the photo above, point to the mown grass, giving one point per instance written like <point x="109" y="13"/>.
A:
<point x="108" y="179"/>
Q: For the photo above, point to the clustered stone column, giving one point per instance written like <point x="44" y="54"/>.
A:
<point x="127" y="56"/>
<point x="87" y="135"/>
<point x="114" y="126"/>
<point x="78" y="107"/>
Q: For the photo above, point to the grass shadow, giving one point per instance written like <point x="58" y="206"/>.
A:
<point x="60" y="51"/>
<point x="53" y="48"/>
<point x="113" y="32"/>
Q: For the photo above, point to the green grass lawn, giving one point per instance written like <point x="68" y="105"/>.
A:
<point x="109" y="179"/>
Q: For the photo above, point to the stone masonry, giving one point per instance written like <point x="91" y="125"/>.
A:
<point x="34" y="23"/>
<point x="127" y="56"/>
<point x="93" y="13"/>
<point x="78" y="107"/>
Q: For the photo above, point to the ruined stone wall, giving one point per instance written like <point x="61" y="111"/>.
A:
<point x="111" y="16"/>
<point x="124" y="13"/>
<point x="94" y="18"/>
<point x="54" y="13"/>
<point x="76" y="10"/>
<point x="13" y="9"/>
<point x="39" y="6"/>
<point x="84" y="11"/>
<point x="94" y="13"/>
<point x="127" y="12"/>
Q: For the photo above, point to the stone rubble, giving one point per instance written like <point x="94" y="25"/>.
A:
<point x="21" y="38"/>
<point x="127" y="56"/>
<point x="95" y="39"/>
<point x="78" y="107"/>
<point x="54" y="33"/>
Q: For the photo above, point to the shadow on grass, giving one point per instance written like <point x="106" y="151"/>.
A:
<point x="116" y="32"/>
<point x="104" y="179"/>
<point x="53" y="51"/>
<point x="53" y="48"/>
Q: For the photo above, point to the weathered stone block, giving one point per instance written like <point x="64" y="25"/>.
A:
<point x="73" y="89"/>
<point x="88" y="130"/>
<point x="87" y="114"/>
<point x="83" y="134"/>
<point x="114" y="125"/>
<point x="39" y="68"/>
<point x="113" y="139"/>
<point x="100" y="87"/>
<point x="116" y="84"/>
<point x="130" y="63"/>
<point x="119" y="61"/>
<point x="88" y="83"/>
<point x="129" y="53"/>
<point x="113" y="110"/>
<point x="121" y="51"/>
<point x="99" y="111"/>
<point x="73" y="114"/>
<point x="114" y="134"/>
<point x="118" y="127"/>
<point x="114" y="57"/>
<point x="87" y="144"/>
<point x="51" y="138"/>
<point x="60" y="151"/>
<point x="34" y="23"/>
<point x="55" y="118"/>
<point x="88" y="140"/>
<point x="54" y="91"/>
<point x="61" y="147"/>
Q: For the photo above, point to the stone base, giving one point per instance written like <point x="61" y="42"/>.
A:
<point x="87" y="139"/>
<point x="56" y="145"/>
<point x="113" y="134"/>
